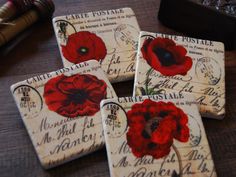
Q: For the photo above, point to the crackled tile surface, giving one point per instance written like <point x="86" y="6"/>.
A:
<point x="167" y="63"/>
<point x="157" y="135"/>
<point x="61" y="111"/>
<point x="108" y="36"/>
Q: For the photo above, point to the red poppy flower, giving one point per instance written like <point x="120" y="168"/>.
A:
<point x="77" y="95"/>
<point x="83" y="46"/>
<point x="153" y="126"/>
<point x="165" y="56"/>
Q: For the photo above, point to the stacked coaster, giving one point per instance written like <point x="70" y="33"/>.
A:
<point x="61" y="111"/>
<point x="158" y="135"/>
<point x="167" y="63"/>
<point x="108" y="36"/>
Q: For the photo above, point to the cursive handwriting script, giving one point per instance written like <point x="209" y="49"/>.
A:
<point x="84" y="136"/>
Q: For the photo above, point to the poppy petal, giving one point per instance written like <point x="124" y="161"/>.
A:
<point x="152" y="132"/>
<point x="63" y="95"/>
<point x="83" y="46"/>
<point x="145" y="47"/>
<point x="165" y="56"/>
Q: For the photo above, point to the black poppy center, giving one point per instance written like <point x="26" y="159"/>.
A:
<point x="83" y="50"/>
<point x="78" y="97"/>
<point x="165" y="57"/>
<point x="151" y="126"/>
<point x="152" y="145"/>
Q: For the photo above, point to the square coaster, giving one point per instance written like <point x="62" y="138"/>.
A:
<point x="167" y="63"/>
<point x="61" y="111"/>
<point x="108" y="36"/>
<point x="156" y="135"/>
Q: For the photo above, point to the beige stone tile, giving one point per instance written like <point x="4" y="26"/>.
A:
<point x="61" y="111"/>
<point x="108" y="36"/>
<point x="156" y="135"/>
<point x="167" y="63"/>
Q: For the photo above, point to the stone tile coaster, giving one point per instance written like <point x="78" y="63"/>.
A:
<point x="156" y="136"/>
<point x="167" y="63"/>
<point x="108" y="36"/>
<point x="61" y="111"/>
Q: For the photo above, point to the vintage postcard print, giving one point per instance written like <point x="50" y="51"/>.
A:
<point x="156" y="136"/>
<point x="167" y="63"/>
<point x="61" y="111"/>
<point x="108" y="36"/>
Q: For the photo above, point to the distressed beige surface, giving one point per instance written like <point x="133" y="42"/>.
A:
<point x="193" y="158"/>
<point x="57" y="138"/>
<point x="119" y="30"/>
<point x="205" y="80"/>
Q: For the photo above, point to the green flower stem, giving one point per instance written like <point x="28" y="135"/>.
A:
<point x="147" y="81"/>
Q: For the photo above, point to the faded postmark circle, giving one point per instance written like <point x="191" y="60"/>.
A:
<point x="29" y="100"/>
<point x="126" y="36"/>
<point x="63" y="30"/>
<point x="208" y="70"/>
<point x="195" y="131"/>
<point x="115" y="120"/>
